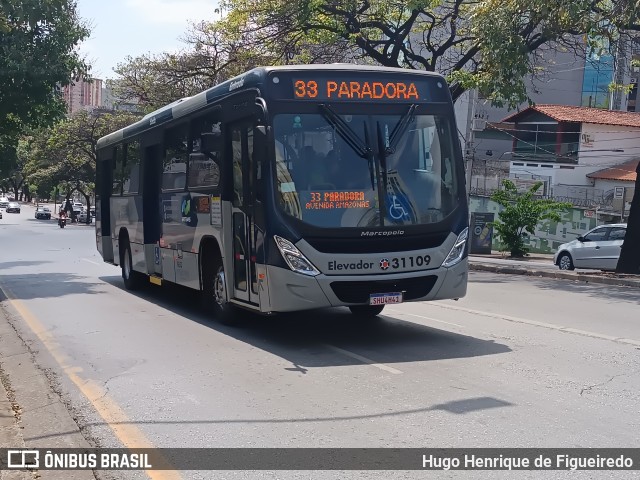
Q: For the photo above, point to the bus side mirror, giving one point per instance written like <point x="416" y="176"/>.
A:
<point x="211" y="142"/>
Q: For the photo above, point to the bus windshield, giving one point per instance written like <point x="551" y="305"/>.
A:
<point x="330" y="168"/>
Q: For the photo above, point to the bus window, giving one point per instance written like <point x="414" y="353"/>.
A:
<point x="236" y="149"/>
<point x="131" y="170"/>
<point x="176" y="152"/>
<point x="204" y="169"/>
<point x="116" y="163"/>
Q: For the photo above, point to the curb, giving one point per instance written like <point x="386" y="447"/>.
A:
<point x="34" y="413"/>
<point x="621" y="282"/>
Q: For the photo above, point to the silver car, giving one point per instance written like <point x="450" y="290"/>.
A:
<point x="598" y="249"/>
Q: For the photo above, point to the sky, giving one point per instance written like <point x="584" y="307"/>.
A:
<point x="122" y="28"/>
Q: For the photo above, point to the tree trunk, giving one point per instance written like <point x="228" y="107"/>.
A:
<point x="88" y="200"/>
<point x="629" y="261"/>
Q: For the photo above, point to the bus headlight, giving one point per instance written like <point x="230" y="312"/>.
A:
<point x="294" y="257"/>
<point x="457" y="252"/>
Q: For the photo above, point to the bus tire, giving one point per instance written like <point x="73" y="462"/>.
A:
<point x="215" y="295"/>
<point x="366" y="312"/>
<point x="132" y="280"/>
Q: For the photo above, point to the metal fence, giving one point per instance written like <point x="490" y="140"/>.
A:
<point x="583" y="197"/>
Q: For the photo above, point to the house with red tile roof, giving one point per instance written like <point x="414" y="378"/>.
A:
<point x="577" y="151"/>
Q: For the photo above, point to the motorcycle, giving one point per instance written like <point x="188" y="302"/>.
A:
<point x="62" y="221"/>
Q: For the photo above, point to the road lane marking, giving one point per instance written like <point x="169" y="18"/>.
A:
<point x="550" y="326"/>
<point x="113" y="415"/>
<point x="365" y="360"/>
<point x="91" y="261"/>
<point x="398" y="312"/>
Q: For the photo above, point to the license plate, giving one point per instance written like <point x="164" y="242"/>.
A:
<point x="385" y="298"/>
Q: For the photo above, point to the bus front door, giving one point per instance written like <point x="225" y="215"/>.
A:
<point x="244" y="281"/>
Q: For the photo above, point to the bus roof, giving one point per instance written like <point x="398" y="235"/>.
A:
<point x="250" y="79"/>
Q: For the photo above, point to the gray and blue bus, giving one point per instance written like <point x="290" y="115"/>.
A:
<point x="292" y="188"/>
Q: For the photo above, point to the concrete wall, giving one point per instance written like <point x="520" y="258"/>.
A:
<point x="548" y="235"/>
<point x="607" y="137"/>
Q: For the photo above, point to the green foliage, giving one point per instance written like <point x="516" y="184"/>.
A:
<point x="38" y="54"/>
<point x="521" y="213"/>
<point x="38" y="40"/>
<point x="490" y="44"/>
<point x="215" y="52"/>
<point x="65" y="154"/>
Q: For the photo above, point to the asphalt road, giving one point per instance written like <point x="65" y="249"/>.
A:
<point x="519" y="362"/>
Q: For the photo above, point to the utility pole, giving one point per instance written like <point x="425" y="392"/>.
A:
<point x="470" y="151"/>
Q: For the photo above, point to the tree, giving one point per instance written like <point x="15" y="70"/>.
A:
<point x="629" y="261"/>
<point x="215" y="52"/>
<point x="38" y="40"/>
<point x="490" y="45"/>
<point x="521" y="213"/>
<point x="66" y="155"/>
<point x="212" y="56"/>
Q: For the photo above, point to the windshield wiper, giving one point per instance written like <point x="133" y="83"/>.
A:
<point x="400" y="129"/>
<point x="396" y="135"/>
<point x="346" y="132"/>
<point x="382" y="148"/>
<point x="363" y="149"/>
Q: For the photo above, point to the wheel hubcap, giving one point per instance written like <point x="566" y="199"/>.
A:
<point x="219" y="293"/>
<point x="564" y="263"/>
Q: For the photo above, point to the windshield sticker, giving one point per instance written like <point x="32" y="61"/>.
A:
<point x="287" y="187"/>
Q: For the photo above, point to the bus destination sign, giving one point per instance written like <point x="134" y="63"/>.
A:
<point x="354" y="87"/>
<point x="355" y="90"/>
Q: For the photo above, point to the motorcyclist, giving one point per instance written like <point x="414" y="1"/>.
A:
<point x="63" y="216"/>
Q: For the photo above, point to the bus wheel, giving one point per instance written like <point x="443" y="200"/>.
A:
<point x="365" y="312"/>
<point x="216" y="298"/>
<point x="132" y="279"/>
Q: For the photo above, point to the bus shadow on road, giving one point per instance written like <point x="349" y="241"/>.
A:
<point x="328" y="337"/>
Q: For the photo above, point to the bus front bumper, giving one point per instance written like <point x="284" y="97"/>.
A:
<point x="290" y="291"/>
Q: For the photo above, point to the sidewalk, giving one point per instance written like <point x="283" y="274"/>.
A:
<point x="32" y="415"/>
<point x="498" y="262"/>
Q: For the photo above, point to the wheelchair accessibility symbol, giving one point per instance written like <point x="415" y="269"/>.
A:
<point x="397" y="211"/>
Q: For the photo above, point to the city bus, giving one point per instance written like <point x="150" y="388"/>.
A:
<point x="292" y="188"/>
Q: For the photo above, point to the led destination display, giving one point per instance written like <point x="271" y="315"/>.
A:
<point x="354" y="87"/>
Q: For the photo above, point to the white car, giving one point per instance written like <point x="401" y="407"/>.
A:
<point x="598" y="249"/>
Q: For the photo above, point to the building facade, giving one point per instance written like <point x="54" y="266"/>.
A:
<point x="585" y="156"/>
<point x="83" y="95"/>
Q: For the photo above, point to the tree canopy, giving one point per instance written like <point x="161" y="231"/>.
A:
<point x="38" y="40"/>
<point x="66" y="153"/>
<point x="490" y="45"/>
